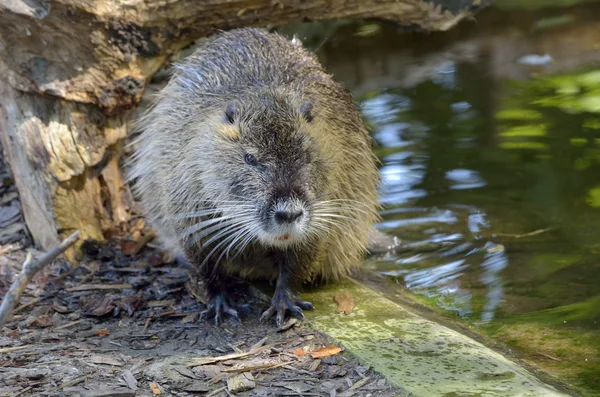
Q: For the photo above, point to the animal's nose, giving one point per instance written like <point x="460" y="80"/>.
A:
<point x="287" y="216"/>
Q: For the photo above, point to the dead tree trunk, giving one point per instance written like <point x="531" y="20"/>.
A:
<point x="71" y="69"/>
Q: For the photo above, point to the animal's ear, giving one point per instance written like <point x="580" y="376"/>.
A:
<point x="231" y="113"/>
<point x="307" y="111"/>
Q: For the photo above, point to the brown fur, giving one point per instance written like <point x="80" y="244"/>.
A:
<point x="190" y="159"/>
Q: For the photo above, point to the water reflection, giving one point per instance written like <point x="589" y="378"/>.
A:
<point x="490" y="166"/>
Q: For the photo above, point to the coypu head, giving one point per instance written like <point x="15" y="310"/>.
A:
<point x="264" y="172"/>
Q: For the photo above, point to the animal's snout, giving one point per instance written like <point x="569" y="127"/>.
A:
<point x="282" y="217"/>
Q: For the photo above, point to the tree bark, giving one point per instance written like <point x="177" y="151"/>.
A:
<point x="70" y="70"/>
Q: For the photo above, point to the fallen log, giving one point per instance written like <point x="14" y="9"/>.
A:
<point x="71" y="70"/>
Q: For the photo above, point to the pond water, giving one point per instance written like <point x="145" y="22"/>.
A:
<point x="489" y="138"/>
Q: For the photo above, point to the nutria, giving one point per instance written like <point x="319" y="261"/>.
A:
<point x="254" y="163"/>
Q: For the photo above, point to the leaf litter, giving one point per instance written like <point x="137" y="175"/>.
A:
<point x="127" y="325"/>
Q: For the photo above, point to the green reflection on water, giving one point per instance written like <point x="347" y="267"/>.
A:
<point x="495" y="178"/>
<point x="488" y="178"/>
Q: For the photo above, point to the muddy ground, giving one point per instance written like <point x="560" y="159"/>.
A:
<point x="124" y="324"/>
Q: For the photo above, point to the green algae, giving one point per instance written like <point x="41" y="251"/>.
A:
<point x="419" y="355"/>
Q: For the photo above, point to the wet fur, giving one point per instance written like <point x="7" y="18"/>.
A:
<point x="189" y="153"/>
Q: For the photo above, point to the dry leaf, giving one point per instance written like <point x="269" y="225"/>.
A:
<point x="130" y="303"/>
<point x="325" y="352"/>
<point x="345" y="303"/>
<point x="102" y="332"/>
<point x="299" y="352"/>
<point x="43" y="321"/>
<point x="128" y="247"/>
<point x="98" y="304"/>
<point x="155" y="388"/>
<point x="241" y="382"/>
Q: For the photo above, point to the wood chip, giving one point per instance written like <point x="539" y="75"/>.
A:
<point x="325" y="352"/>
<point x="169" y="302"/>
<point x="155" y="388"/>
<point x="241" y="382"/>
<point x="360" y="383"/>
<point x="132" y="383"/>
<point x="288" y="324"/>
<point x="102" y="332"/>
<point x="315" y="365"/>
<point x="106" y="360"/>
<point x="190" y="318"/>
<point x="345" y="303"/>
<point x="260" y="343"/>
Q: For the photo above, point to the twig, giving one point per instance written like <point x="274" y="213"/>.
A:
<point x="92" y="287"/>
<point x="29" y="270"/>
<point x="13" y="349"/>
<point x="530" y="234"/>
<point x="30" y="303"/>
<point x="233" y="356"/>
<point x="142" y="243"/>
<point x="68" y="325"/>
<point x="256" y="367"/>
<point x="73" y="382"/>
<point x="25" y="390"/>
<point x="215" y="392"/>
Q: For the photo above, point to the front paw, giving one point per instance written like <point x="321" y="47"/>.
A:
<point x="220" y="306"/>
<point x="285" y="302"/>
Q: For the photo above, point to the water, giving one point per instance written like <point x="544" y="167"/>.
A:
<point x="489" y="138"/>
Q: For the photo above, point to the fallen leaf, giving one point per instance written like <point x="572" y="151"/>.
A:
<point x="102" y="332"/>
<point x="156" y="260"/>
<point x="43" y="321"/>
<point x="241" y="382"/>
<point x="325" y="352"/>
<point x="155" y="388"/>
<point x="128" y="247"/>
<point x="345" y="303"/>
<point x="98" y="305"/>
<point x="130" y="304"/>
<point x="299" y="352"/>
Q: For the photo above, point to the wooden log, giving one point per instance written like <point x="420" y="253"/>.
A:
<point x="70" y="70"/>
<point x="65" y="160"/>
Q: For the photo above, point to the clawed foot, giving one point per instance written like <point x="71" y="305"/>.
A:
<point x="221" y="305"/>
<point x="282" y="302"/>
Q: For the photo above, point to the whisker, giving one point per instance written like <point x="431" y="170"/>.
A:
<point x="202" y="225"/>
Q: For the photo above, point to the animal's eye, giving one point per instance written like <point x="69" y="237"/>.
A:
<point x="251" y="160"/>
